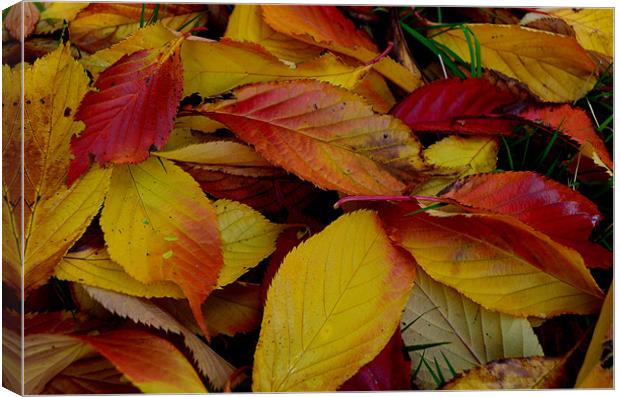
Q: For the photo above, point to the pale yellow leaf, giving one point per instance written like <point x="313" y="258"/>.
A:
<point x="474" y="335"/>
<point x="55" y="14"/>
<point x="594" y="27"/>
<point x="332" y="306"/>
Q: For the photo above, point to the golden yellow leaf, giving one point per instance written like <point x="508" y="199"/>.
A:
<point x="182" y="137"/>
<point x="95" y="268"/>
<point x="597" y="370"/>
<point x="211" y="67"/>
<point x="594" y="27"/>
<point x="146" y="38"/>
<point x="554" y="67"/>
<point x="472" y="334"/>
<point x="514" y="373"/>
<point x="199" y="123"/>
<point x="376" y="92"/>
<point x="159" y="226"/>
<point x="460" y="156"/>
<point x="248" y="238"/>
<point x="55" y="14"/>
<point x="102" y="24"/>
<point x="55" y="216"/>
<point x="331" y="310"/>
<point x="246" y="24"/>
<point x="236" y="308"/>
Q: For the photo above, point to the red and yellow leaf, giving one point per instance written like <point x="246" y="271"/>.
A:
<point x="330" y="311"/>
<point x="159" y="226"/>
<point x="323" y="134"/>
<point x="233" y="309"/>
<point x="132" y="110"/>
<point x="548" y="206"/>
<point x="497" y="261"/>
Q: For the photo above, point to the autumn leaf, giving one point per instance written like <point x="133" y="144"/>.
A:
<point x="293" y="124"/>
<point x="337" y="304"/>
<point x="464" y="106"/>
<point x="389" y="370"/>
<point x="376" y="92"/>
<point x="233" y="309"/>
<point x="90" y="375"/>
<point x="472" y="252"/>
<point x="159" y="227"/>
<point x="213" y="67"/>
<point x="325" y="26"/>
<point x="246" y="24"/>
<point x="458" y="157"/>
<point x="593" y="27"/>
<point x="556" y="69"/>
<point x="151" y="363"/>
<point x="574" y="124"/>
<point x="100" y="25"/>
<point x="21" y="20"/>
<point x="54" y="216"/>
<point x="597" y="368"/>
<point x="214" y="367"/>
<point x="56" y="14"/>
<point x="548" y="206"/>
<point x="459" y="333"/>
<point x="132" y="110"/>
<point x="515" y="373"/>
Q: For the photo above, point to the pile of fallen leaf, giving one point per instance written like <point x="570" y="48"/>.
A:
<point x="306" y="198"/>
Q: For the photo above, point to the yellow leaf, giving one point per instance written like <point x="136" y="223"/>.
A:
<point x="55" y="216"/>
<point x="217" y="152"/>
<point x="472" y="334"/>
<point x="248" y="238"/>
<point x="246" y="24"/>
<point x="55" y="14"/>
<point x="149" y="37"/>
<point x="331" y="310"/>
<point x="597" y="370"/>
<point x="594" y="27"/>
<point x="102" y="24"/>
<point x="554" y="67"/>
<point x="236" y="308"/>
<point x="199" y="123"/>
<point x="159" y="226"/>
<point x="515" y="373"/>
<point x="462" y="156"/>
<point x="182" y="137"/>
<point x="211" y="67"/>
<point x="95" y="268"/>
<point x="376" y="92"/>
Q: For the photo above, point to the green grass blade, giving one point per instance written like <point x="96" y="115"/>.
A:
<point x="547" y="149"/>
<point x="417" y="318"/>
<point x="142" y="15"/>
<point x="452" y="371"/>
<point x="424" y="346"/>
<point x="427" y="208"/>
<point x="435" y="377"/>
<point x="470" y="46"/>
<point x="511" y="164"/>
<point x="441" y="378"/>
<point x="153" y="18"/>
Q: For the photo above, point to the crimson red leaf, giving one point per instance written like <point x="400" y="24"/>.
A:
<point x="572" y="122"/>
<point x="548" y="206"/>
<point x="390" y="370"/>
<point x="132" y="110"/>
<point x="454" y="105"/>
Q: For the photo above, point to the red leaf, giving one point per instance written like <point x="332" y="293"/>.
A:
<point x="390" y="370"/>
<point x="454" y="105"/>
<point x="132" y="110"/>
<point x="573" y="123"/>
<point x="548" y="206"/>
<point x="264" y="193"/>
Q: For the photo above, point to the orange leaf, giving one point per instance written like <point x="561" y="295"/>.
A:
<point x="325" y="26"/>
<point x="575" y="124"/>
<point x="153" y="364"/>
<point x="323" y="134"/>
<point x="132" y="110"/>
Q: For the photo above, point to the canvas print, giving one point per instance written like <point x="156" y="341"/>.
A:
<point x="203" y="197"/>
